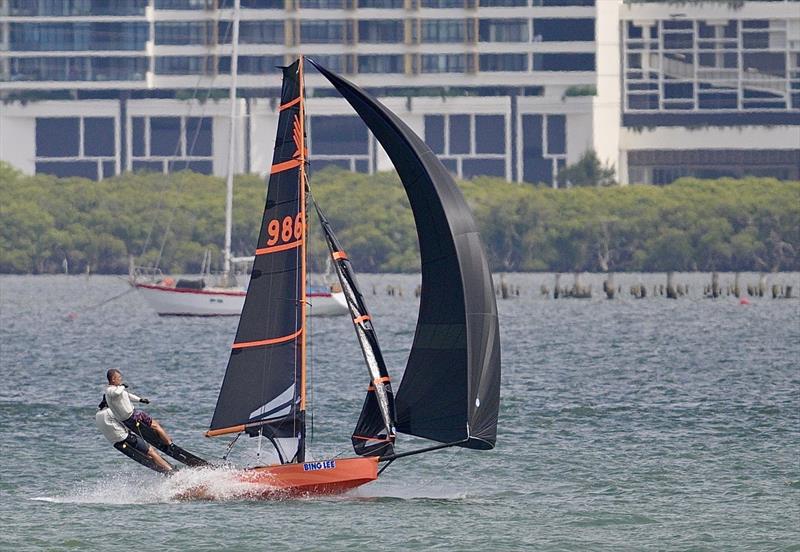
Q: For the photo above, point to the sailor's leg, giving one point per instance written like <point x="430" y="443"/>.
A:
<point x="166" y="439"/>
<point x="160" y="462"/>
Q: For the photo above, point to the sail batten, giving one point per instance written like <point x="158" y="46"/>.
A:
<point x="450" y="390"/>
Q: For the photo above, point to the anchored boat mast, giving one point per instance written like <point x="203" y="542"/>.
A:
<point x="226" y="271"/>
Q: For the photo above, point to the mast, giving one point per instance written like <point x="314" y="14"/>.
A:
<point x="226" y="271"/>
<point x="303" y="243"/>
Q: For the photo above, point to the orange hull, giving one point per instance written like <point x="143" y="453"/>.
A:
<point x="324" y="477"/>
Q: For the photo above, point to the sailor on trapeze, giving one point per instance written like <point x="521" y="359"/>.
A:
<point x="119" y="401"/>
<point x="125" y="441"/>
<point x="140" y="424"/>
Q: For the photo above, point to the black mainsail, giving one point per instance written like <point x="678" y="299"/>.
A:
<point x="450" y="390"/>
<point x="374" y="433"/>
<point x="263" y="392"/>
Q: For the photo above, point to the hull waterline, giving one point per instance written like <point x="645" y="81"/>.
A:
<point x="308" y="479"/>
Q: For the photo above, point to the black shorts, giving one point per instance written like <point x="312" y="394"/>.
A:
<point x="136" y="442"/>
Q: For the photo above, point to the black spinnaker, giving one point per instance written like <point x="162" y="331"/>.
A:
<point x="450" y="390"/>
<point x="263" y="392"/>
<point x="374" y="433"/>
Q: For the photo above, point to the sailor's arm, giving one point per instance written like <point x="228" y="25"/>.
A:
<point x="134" y="397"/>
<point x="115" y="390"/>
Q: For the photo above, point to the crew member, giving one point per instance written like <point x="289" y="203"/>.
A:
<point x="120" y="437"/>
<point x="119" y="401"/>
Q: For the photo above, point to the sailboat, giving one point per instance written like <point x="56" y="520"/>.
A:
<point x="450" y="390"/>
<point x="170" y="296"/>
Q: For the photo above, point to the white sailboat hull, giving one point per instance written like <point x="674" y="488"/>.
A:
<point x="171" y="301"/>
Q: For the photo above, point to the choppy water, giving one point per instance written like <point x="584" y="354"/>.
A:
<point x="625" y="425"/>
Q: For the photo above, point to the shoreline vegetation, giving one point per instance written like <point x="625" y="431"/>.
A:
<point x="725" y="225"/>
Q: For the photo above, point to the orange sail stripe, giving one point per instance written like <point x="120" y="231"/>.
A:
<point x="284" y="339"/>
<point x="285" y="166"/>
<point x="276" y="248"/>
<point x="384" y="379"/>
<point x="360" y="319"/>
<point x="338" y="255"/>
<point x="289" y="104"/>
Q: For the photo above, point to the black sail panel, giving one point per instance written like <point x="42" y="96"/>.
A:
<point x="450" y="390"/>
<point x="374" y="433"/>
<point x="262" y="391"/>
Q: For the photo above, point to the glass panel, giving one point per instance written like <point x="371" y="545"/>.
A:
<point x="451" y="165"/>
<point x="98" y="136"/>
<point x="444" y="63"/>
<point x="459" y="134"/>
<point x="57" y="137"/>
<point x="109" y="169"/>
<point x="532" y="136"/>
<point x="182" y="33"/>
<point x="198" y="137"/>
<point x="503" y="62"/>
<point x="556" y="134"/>
<point x="380" y="64"/>
<point x="362" y="165"/>
<point x="490" y="134"/>
<point x="138" y="136"/>
<point x="503" y="30"/>
<point x="443" y="30"/>
<point x="380" y="30"/>
<point x="538" y="171"/>
<point x="321" y="32"/>
<point x="563" y="30"/>
<point x="66" y="169"/>
<point x="165" y="136"/>
<point x="434" y="133"/>
<point x="483" y="167"/>
<point x="563" y="62"/>
<point x="148" y="166"/>
<point x="202" y="167"/>
<point x="338" y="134"/>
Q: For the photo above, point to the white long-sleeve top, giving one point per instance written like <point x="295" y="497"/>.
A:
<point x="109" y="426"/>
<point x="119" y="401"/>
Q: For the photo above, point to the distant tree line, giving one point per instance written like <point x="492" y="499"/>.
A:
<point x="750" y="224"/>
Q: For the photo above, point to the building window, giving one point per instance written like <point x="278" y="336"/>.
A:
<point x="322" y="4"/>
<point x="460" y="135"/>
<point x="251" y="65"/>
<point x="338" y="135"/>
<point x="444" y="63"/>
<point x="182" y="33"/>
<point x="503" y="30"/>
<point x="503" y="3"/>
<point x="67" y="169"/>
<point x="477" y="166"/>
<point x="563" y="30"/>
<point x="381" y="4"/>
<point x="380" y="30"/>
<point x="322" y="32"/>
<point x="563" y="62"/>
<point x="58" y="137"/>
<point x="252" y="32"/>
<point x="556" y="134"/>
<point x="380" y="64"/>
<point x="549" y="3"/>
<point x="198" y="136"/>
<point x="434" y="132"/>
<point x="165" y="136"/>
<point x="181" y="65"/>
<point x="334" y="62"/>
<point x="503" y="62"/>
<point x="98" y="136"/>
<point x="443" y="30"/>
<point x="490" y="134"/>
<point x="442" y="3"/>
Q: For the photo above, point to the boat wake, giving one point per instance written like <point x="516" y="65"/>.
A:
<point x="208" y="483"/>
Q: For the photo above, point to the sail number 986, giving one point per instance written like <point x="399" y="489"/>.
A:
<point x="284" y="230"/>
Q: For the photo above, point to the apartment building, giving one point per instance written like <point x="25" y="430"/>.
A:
<point x="709" y="89"/>
<point x="96" y="87"/>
